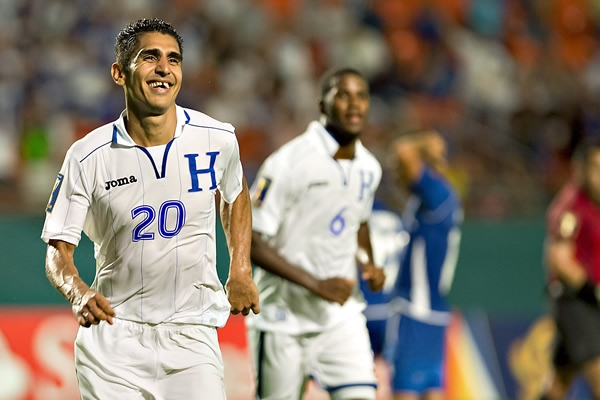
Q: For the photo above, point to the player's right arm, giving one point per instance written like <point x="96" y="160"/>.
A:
<point x="89" y="307"/>
<point x="337" y="290"/>
<point x="273" y="192"/>
<point x="414" y="151"/>
<point x="560" y="254"/>
<point x="420" y="164"/>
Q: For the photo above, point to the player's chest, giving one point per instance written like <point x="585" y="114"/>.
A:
<point x="135" y="174"/>
<point x="350" y="180"/>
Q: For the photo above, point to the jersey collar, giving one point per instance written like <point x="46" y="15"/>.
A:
<point x="318" y="134"/>
<point x="121" y="137"/>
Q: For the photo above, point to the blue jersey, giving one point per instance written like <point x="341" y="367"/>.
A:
<point x="432" y="218"/>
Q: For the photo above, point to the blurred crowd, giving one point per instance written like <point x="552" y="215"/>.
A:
<point x="511" y="84"/>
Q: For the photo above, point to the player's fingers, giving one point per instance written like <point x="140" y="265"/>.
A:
<point x="99" y="314"/>
<point x="83" y="321"/>
<point x="104" y="305"/>
<point x="256" y="308"/>
<point x="101" y="309"/>
<point x="83" y="317"/>
<point x="91" y="317"/>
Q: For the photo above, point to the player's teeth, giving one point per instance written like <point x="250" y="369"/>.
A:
<point x="157" y="84"/>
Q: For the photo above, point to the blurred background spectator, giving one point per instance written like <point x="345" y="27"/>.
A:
<point x="511" y="84"/>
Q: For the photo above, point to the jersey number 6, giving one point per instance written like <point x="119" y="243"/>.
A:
<point x="338" y="223"/>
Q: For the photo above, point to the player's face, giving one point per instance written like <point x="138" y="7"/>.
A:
<point x="347" y="104"/>
<point x="154" y="78"/>
<point x="592" y="175"/>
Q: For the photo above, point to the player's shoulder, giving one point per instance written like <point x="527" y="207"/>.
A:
<point x="367" y="157"/>
<point x="564" y="201"/>
<point x="91" y="142"/>
<point x="292" y="153"/>
<point x="197" y="119"/>
<point x="564" y="212"/>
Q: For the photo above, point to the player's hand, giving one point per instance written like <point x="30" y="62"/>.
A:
<point x="374" y="276"/>
<point x="337" y="290"/>
<point x="242" y="294"/>
<point x="93" y="308"/>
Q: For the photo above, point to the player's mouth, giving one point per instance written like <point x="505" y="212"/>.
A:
<point x="354" y="118"/>
<point x="160" y="86"/>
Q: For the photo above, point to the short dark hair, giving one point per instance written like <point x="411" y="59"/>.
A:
<point x="330" y="78"/>
<point x="128" y="40"/>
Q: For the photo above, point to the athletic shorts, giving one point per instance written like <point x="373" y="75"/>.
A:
<point x="578" y="328"/>
<point x="415" y="351"/>
<point x="134" y="361"/>
<point x="339" y="360"/>
<point x="376" y="330"/>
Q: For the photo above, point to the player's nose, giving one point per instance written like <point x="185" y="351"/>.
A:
<point x="162" y="66"/>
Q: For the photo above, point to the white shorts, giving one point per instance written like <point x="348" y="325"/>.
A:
<point x="340" y="360"/>
<point x="129" y="360"/>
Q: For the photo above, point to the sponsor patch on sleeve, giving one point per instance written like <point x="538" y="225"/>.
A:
<point x="55" y="192"/>
<point x="567" y="226"/>
<point x="261" y="191"/>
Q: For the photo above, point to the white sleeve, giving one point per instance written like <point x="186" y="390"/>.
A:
<point x="269" y="194"/>
<point x="231" y="181"/>
<point x="68" y="204"/>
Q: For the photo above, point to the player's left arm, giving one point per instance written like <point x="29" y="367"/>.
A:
<point x="375" y="276"/>
<point x="236" y="218"/>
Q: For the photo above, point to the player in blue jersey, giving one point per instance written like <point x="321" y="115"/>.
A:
<point x="416" y="330"/>
<point x="143" y="189"/>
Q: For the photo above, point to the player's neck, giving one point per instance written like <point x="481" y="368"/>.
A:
<point x="346" y="140"/>
<point x="151" y="130"/>
<point x="345" y="152"/>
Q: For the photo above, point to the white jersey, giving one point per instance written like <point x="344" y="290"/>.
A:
<point x="152" y="219"/>
<point x="310" y="207"/>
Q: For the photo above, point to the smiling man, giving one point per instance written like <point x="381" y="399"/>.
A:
<point x="143" y="189"/>
<point x="311" y="202"/>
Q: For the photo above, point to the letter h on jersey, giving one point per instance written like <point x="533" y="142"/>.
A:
<point x="194" y="171"/>
<point x="366" y="180"/>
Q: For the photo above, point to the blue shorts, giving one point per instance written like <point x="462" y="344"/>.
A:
<point x="415" y="351"/>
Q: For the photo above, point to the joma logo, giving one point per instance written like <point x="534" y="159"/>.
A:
<point x="120" y="182"/>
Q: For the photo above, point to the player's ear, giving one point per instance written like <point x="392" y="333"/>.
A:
<point x="118" y="74"/>
<point x="322" y="106"/>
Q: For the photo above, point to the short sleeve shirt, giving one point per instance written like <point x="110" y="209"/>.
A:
<point x="310" y="206"/>
<point x="151" y="216"/>
<point x="433" y="219"/>
<point x="573" y="216"/>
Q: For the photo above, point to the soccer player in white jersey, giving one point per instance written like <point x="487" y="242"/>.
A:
<point x="311" y="202"/>
<point x="143" y="189"/>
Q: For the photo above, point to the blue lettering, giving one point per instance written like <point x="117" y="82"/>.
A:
<point x="194" y="171"/>
<point x="365" y="183"/>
